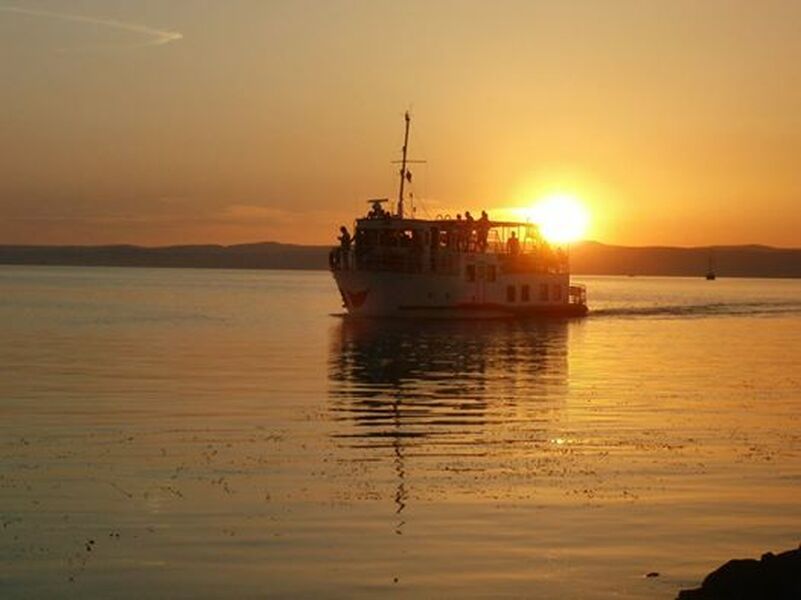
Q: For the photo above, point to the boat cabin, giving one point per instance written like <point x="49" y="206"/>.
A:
<point x="383" y="242"/>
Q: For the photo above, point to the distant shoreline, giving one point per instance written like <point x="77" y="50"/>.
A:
<point x="587" y="258"/>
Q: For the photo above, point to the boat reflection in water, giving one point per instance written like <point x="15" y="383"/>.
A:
<point x="442" y="402"/>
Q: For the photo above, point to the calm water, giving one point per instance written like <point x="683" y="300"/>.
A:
<point x="193" y="433"/>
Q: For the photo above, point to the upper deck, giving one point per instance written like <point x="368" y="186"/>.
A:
<point x="385" y="242"/>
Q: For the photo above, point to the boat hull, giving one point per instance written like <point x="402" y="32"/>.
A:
<point x="423" y="295"/>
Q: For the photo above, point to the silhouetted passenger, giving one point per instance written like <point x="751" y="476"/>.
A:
<point x="470" y="225"/>
<point x="344" y="245"/>
<point x="482" y="231"/>
<point x="456" y="235"/>
<point x="513" y="245"/>
<point x="345" y="239"/>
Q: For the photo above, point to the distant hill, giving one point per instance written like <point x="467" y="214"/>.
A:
<point x="264" y="255"/>
<point x="589" y="258"/>
<point x="593" y="258"/>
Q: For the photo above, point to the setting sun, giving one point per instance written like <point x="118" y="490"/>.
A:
<point x="562" y="218"/>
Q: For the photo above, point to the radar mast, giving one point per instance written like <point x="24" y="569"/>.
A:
<point x="403" y="172"/>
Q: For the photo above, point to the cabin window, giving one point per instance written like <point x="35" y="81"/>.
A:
<point x="525" y="294"/>
<point x="544" y="292"/>
<point x="491" y="273"/>
<point x="557" y="292"/>
<point x="470" y="273"/>
<point x="510" y="293"/>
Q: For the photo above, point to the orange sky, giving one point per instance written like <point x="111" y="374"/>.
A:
<point x="185" y="122"/>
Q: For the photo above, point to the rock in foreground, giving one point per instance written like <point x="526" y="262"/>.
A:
<point x="773" y="577"/>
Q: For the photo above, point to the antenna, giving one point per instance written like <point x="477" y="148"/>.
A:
<point x="405" y="174"/>
<point x="403" y="165"/>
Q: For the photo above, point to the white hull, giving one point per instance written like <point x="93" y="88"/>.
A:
<point x="436" y="295"/>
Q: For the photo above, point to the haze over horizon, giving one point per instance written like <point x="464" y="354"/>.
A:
<point x="185" y="122"/>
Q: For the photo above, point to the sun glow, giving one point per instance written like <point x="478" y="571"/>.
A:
<point x="562" y="218"/>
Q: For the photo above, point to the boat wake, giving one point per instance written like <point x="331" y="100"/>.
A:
<point x="722" y="309"/>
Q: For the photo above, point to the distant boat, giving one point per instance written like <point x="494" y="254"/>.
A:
<point x="710" y="271"/>
<point x="446" y="267"/>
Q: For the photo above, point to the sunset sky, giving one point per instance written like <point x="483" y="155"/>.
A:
<point x="190" y="121"/>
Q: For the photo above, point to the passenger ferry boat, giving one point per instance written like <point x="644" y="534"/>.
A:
<point x="454" y="268"/>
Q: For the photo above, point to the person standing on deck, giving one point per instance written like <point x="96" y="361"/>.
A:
<point x="457" y="234"/>
<point x="345" y="241"/>
<point x="482" y="231"/>
<point x="469" y="228"/>
<point x="513" y="245"/>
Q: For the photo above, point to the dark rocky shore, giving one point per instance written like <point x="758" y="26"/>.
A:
<point x="773" y="577"/>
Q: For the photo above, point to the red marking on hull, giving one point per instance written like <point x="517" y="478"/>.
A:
<point x="356" y="299"/>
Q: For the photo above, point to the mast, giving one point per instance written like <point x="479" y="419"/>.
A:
<point x="403" y="174"/>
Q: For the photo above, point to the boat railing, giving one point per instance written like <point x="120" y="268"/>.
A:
<point x="340" y="259"/>
<point x="534" y="262"/>
<point x="577" y="294"/>
<point x="375" y="259"/>
<point x="443" y="262"/>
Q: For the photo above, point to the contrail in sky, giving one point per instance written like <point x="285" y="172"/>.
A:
<point x="158" y="37"/>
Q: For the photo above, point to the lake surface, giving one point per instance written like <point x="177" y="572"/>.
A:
<point x="210" y="433"/>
